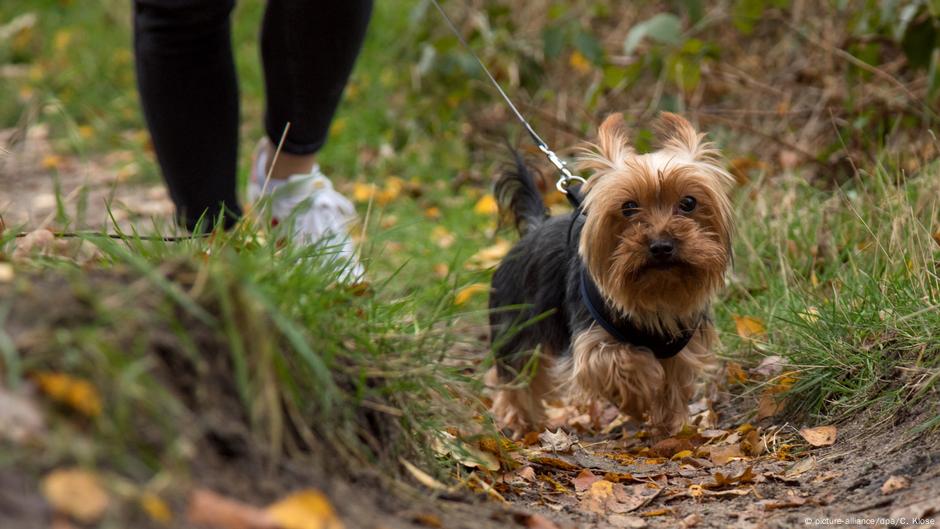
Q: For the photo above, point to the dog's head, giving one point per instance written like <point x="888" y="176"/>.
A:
<point x="657" y="237"/>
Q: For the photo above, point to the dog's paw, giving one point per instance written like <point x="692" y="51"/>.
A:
<point x="512" y="413"/>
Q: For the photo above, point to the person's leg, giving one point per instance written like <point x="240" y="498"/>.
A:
<point x="308" y="50"/>
<point x="189" y="92"/>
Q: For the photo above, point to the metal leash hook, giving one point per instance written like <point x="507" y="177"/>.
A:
<point x="565" y="176"/>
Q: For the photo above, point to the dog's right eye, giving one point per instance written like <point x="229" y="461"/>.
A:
<point x="629" y="208"/>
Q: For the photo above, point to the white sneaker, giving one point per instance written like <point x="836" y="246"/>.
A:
<point x="317" y="213"/>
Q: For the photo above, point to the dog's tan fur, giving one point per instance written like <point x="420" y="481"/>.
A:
<point x="614" y="250"/>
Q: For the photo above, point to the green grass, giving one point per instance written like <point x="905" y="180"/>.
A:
<point x="845" y="279"/>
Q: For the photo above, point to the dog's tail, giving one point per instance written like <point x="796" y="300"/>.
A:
<point x="518" y="196"/>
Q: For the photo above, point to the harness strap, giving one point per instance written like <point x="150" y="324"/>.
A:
<point x="624" y="331"/>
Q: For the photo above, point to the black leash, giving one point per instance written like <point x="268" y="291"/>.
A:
<point x="566" y="178"/>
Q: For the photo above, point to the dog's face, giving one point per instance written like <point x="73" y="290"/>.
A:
<point x="657" y="236"/>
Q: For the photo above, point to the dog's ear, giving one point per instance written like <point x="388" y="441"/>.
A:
<point x="612" y="147"/>
<point x="677" y="134"/>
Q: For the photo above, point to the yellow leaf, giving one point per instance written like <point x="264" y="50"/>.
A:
<point x="579" y="62"/>
<point x="393" y="188"/>
<point x="74" y="392"/>
<point x="486" y="205"/>
<point x="363" y="192"/>
<point x="85" y="132"/>
<point x="682" y="454"/>
<point x="61" y="40"/>
<point x="155" y="508"/>
<point x="51" y="161"/>
<point x="735" y="374"/>
<point x="441" y="270"/>
<point x="749" y="328"/>
<point x="433" y="212"/>
<point x="76" y="493"/>
<point x="810" y="315"/>
<point x="442" y="237"/>
<point x="820" y="436"/>
<point x="308" y="509"/>
<point x="467" y="292"/>
<point x="490" y="256"/>
<point x="936" y="237"/>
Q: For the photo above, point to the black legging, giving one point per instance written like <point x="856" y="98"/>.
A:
<point x="189" y="90"/>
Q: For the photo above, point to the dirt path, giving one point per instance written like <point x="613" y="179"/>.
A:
<point x="30" y="172"/>
<point x="736" y="474"/>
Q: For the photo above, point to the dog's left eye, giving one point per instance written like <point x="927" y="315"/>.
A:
<point x="687" y="204"/>
<point x="629" y="208"/>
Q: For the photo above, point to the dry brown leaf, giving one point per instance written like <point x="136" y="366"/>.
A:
<point x="894" y="484"/>
<point x="77" y="493"/>
<point x="790" y="501"/>
<point x="753" y="445"/>
<point x="428" y="520"/>
<point x="557" y="441"/>
<point x="770" y="404"/>
<point x="770" y="366"/>
<point x="691" y="520"/>
<point x="604" y="497"/>
<point x="820" y="435"/>
<point x="206" y="508"/>
<point x="721" y="455"/>
<point x="670" y="446"/>
<point x="735" y="373"/>
<point x="936" y="237"/>
<point x="749" y="328"/>
<point x="307" y="509"/>
<point x="721" y="480"/>
<point x="553" y="462"/>
<point x="800" y="467"/>
<point x="421" y="476"/>
<point x="584" y="480"/>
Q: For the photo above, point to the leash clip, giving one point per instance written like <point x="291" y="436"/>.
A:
<point x="566" y="177"/>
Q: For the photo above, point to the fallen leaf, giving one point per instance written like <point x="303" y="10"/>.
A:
<point x="753" y="445"/>
<point x="74" y="392"/>
<point x="464" y="294"/>
<point x="206" y="508"/>
<point x="770" y="366"/>
<point x="800" y="467"/>
<point x="721" y="480"/>
<point x="421" y="476"/>
<point x="486" y="205"/>
<point x="553" y="462"/>
<point x="155" y="507"/>
<point x="584" y="480"/>
<point x="447" y="444"/>
<point x="490" y="256"/>
<point x="77" y="493"/>
<point x="433" y="212"/>
<point x="721" y="455"/>
<point x="363" y="192"/>
<point x="670" y="446"/>
<point x="441" y="270"/>
<point x="792" y="501"/>
<point x="38" y="241"/>
<point x="894" y="484"/>
<point x="936" y="237"/>
<point x="307" y="509"/>
<point x="820" y="436"/>
<point x="557" y="441"/>
<point x="734" y="373"/>
<point x="579" y="62"/>
<point x="428" y="520"/>
<point x="20" y="418"/>
<point x="748" y="327"/>
<point x="770" y="404"/>
<point x="442" y="237"/>
<point x="678" y="456"/>
<point x="6" y="272"/>
<point x="691" y="520"/>
<point x="604" y="497"/>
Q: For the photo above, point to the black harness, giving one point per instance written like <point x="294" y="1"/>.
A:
<point x="622" y="329"/>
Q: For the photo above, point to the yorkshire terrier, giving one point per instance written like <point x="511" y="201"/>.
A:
<point x="612" y="302"/>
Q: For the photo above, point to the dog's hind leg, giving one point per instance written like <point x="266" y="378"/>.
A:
<point x="521" y="408"/>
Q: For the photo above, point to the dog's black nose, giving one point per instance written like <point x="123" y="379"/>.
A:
<point x="662" y="249"/>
